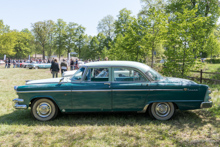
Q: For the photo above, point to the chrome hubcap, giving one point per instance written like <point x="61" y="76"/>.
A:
<point x="44" y="109"/>
<point x="162" y="109"/>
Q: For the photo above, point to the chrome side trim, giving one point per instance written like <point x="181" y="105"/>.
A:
<point x="96" y="90"/>
<point x="17" y="106"/>
<point x="91" y="90"/>
<point x="37" y="91"/>
<point x="206" y="105"/>
<point x="144" y="109"/>
<point x="209" y="91"/>
<point x="147" y="90"/>
<point x="18" y="100"/>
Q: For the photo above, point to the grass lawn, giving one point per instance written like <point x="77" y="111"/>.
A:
<point x="18" y="128"/>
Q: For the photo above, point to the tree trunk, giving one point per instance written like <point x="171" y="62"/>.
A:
<point x="43" y="53"/>
<point x="152" y="62"/>
<point x="137" y="53"/>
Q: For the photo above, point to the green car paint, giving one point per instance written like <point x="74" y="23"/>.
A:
<point x="102" y="96"/>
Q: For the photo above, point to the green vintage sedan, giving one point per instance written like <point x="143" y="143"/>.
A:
<point x="112" y="86"/>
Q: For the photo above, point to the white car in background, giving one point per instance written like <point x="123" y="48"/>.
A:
<point x="2" y="62"/>
<point x="69" y="73"/>
<point x="80" y="63"/>
<point x="72" y="72"/>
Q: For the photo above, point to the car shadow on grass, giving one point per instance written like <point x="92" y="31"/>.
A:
<point x="193" y="119"/>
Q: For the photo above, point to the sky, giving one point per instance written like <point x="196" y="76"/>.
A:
<point x="20" y="14"/>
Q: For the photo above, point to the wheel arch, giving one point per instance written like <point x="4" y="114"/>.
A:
<point x="45" y="97"/>
<point x="150" y="103"/>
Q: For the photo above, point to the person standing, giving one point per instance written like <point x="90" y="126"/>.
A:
<point x="71" y="64"/>
<point x="9" y="62"/>
<point x="14" y="63"/>
<point x="77" y="67"/>
<point x="55" y="68"/>
<point x="6" y="63"/>
<point x="63" y="66"/>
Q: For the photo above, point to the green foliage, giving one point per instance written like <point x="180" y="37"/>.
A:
<point x="215" y="61"/>
<point x="23" y="44"/>
<point x="60" y="39"/>
<point x="212" y="46"/>
<point x="4" y="28"/>
<point x="80" y="39"/>
<point x="7" y="43"/>
<point x="70" y="36"/>
<point x="183" y="46"/>
<point x="41" y="31"/>
<point x="107" y="26"/>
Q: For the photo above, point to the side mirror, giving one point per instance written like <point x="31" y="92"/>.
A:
<point x="61" y="80"/>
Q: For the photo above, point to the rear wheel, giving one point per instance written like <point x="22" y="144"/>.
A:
<point x="44" y="109"/>
<point x="162" y="110"/>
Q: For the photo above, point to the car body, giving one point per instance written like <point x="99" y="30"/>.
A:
<point x="24" y="64"/>
<point x="39" y="65"/>
<point x="112" y="86"/>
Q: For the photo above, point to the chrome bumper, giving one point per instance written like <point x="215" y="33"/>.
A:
<point x="17" y="105"/>
<point x="206" y="105"/>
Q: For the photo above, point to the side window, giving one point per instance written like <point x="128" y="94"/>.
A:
<point x="128" y="74"/>
<point x="97" y="75"/>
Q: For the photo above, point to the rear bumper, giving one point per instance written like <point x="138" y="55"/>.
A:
<point x="206" y="105"/>
<point x="17" y="105"/>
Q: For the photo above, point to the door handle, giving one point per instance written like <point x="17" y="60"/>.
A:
<point x="107" y="84"/>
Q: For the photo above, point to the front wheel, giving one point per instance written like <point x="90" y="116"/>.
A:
<point x="44" y="109"/>
<point x="162" y="110"/>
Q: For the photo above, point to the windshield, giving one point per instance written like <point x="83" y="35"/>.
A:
<point x="154" y="75"/>
<point x="78" y="74"/>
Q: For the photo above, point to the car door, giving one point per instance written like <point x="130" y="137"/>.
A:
<point x="94" y="92"/>
<point x="129" y="89"/>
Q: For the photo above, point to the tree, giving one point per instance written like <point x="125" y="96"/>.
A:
<point x="101" y="39"/>
<point x="70" y="36"/>
<point x="106" y="26"/>
<point x="4" y="28"/>
<point x="22" y="46"/>
<point x="182" y="49"/>
<point x="156" y="29"/>
<point x="7" y="43"/>
<point x="51" y="38"/>
<point x="213" y="45"/>
<point x="124" y="18"/>
<point x="60" y="37"/>
<point x="41" y="31"/>
<point x="80" y="39"/>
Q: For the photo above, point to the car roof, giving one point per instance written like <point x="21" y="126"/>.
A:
<point x="132" y="64"/>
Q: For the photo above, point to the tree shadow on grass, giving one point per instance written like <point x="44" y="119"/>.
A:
<point x="193" y="119"/>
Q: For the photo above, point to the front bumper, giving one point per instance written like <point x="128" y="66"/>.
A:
<point x="206" y="105"/>
<point x="17" y="105"/>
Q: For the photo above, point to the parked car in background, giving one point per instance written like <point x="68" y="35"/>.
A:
<point x="68" y="73"/>
<point x="80" y="63"/>
<point x="39" y="65"/>
<point x="2" y="62"/>
<point x="112" y="86"/>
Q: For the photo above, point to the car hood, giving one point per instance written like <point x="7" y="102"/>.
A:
<point x="47" y="81"/>
<point x="178" y="81"/>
